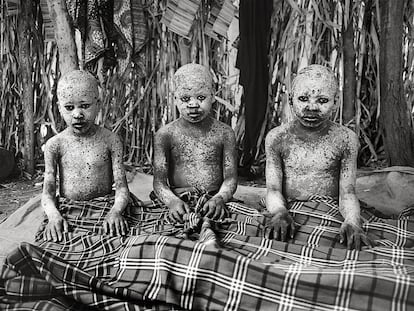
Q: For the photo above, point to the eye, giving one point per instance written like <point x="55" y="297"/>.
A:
<point x="69" y="107"/>
<point x="303" y="98"/>
<point x="185" y="99"/>
<point x="323" y="100"/>
<point x="201" y="97"/>
<point x="85" y="106"/>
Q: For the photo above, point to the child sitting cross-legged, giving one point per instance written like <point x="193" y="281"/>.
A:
<point x="313" y="155"/>
<point x="84" y="161"/>
<point x="195" y="151"/>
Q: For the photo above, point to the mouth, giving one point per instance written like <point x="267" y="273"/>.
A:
<point x="310" y="118"/>
<point x="194" y="115"/>
<point x="78" y="126"/>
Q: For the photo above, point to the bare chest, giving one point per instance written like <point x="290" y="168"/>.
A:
<point x="83" y="155"/>
<point x="203" y="150"/>
<point x="317" y="157"/>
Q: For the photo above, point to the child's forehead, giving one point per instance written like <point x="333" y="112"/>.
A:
<point x="315" y="87"/>
<point x="81" y="95"/>
<point x="192" y="87"/>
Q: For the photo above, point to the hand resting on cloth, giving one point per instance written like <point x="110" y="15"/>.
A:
<point x="241" y="271"/>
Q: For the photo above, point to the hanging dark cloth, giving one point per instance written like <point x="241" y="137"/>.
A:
<point x="104" y="22"/>
<point x="131" y="24"/>
<point x="86" y="17"/>
<point x="252" y="60"/>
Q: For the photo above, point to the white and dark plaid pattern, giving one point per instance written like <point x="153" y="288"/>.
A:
<point x="241" y="270"/>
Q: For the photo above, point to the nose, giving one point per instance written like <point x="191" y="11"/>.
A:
<point x="193" y="103"/>
<point x="312" y="105"/>
<point x="77" y="113"/>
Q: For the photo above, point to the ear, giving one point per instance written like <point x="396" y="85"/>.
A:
<point x="290" y="99"/>
<point x="175" y="101"/>
<point x="336" y="100"/>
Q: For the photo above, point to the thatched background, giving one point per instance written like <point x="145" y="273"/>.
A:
<point x="135" y="105"/>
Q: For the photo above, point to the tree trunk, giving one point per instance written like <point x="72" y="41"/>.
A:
<point x="64" y="35"/>
<point x="395" y="115"/>
<point x="25" y="73"/>
<point x="349" y="71"/>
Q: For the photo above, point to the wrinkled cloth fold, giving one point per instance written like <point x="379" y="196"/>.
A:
<point x="87" y="217"/>
<point x="244" y="270"/>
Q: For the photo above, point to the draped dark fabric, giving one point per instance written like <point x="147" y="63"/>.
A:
<point x="252" y="60"/>
<point x="104" y="22"/>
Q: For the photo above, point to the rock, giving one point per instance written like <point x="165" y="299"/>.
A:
<point x="389" y="190"/>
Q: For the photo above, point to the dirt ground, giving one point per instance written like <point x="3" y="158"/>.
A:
<point x="15" y="192"/>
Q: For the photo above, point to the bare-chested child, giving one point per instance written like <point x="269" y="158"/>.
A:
<point x="313" y="155"/>
<point x="195" y="150"/>
<point x="87" y="157"/>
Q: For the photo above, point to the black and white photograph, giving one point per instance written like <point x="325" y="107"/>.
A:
<point x="207" y="155"/>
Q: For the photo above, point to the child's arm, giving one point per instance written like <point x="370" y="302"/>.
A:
<point x="350" y="231"/>
<point x="177" y="207"/>
<point x="57" y="223"/>
<point x="215" y="207"/>
<point x="114" y="222"/>
<point x="281" y="221"/>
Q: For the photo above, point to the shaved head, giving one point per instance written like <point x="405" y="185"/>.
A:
<point x="77" y="83"/>
<point x="193" y="76"/>
<point x="321" y="75"/>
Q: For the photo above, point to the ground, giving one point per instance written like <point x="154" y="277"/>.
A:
<point x="15" y="192"/>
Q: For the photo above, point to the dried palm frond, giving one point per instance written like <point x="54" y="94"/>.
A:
<point x="136" y="105"/>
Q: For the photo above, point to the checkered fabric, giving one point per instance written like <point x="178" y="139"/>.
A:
<point x="241" y="270"/>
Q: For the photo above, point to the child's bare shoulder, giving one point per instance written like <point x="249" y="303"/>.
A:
<point x="222" y="128"/>
<point x="278" y="134"/>
<point x="168" y="129"/>
<point x="344" y="136"/>
<point x="55" y="143"/>
<point x="222" y="125"/>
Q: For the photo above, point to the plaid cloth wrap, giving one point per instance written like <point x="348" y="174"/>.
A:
<point x="86" y="217"/>
<point x="243" y="271"/>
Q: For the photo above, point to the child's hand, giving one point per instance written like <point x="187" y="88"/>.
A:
<point x="281" y="223"/>
<point x="56" y="225"/>
<point x="353" y="235"/>
<point x="178" y="208"/>
<point x="115" y="224"/>
<point x="215" y="208"/>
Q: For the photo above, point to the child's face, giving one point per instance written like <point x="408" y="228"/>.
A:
<point x="79" y="108"/>
<point x="194" y="101"/>
<point x="313" y="100"/>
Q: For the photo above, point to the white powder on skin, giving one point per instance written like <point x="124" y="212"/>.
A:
<point x="313" y="155"/>
<point x="195" y="150"/>
<point x="75" y="84"/>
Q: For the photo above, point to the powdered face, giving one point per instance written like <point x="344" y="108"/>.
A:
<point x="193" y="92"/>
<point x="313" y="95"/>
<point x="78" y="100"/>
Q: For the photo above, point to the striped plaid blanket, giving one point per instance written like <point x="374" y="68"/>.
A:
<point x="204" y="265"/>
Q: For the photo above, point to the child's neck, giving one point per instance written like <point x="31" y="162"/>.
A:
<point x="306" y="132"/>
<point x="91" y="131"/>
<point x="204" y="124"/>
